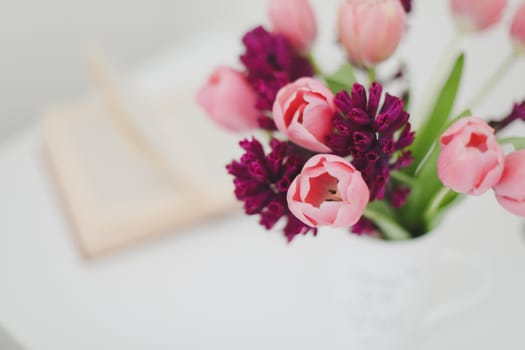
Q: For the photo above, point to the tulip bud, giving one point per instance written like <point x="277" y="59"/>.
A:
<point x="477" y="15"/>
<point x="229" y="100"/>
<point x="371" y="30"/>
<point x="328" y="192"/>
<point x="303" y="111"/>
<point x="295" y="20"/>
<point x="510" y="190"/>
<point x="517" y="30"/>
<point x="471" y="160"/>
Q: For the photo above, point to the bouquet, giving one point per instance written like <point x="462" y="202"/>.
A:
<point x="339" y="149"/>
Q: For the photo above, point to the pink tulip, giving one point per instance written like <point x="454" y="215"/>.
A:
<point x="517" y="30"/>
<point x="510" y="190"/>
<point x="328" y="192"/>
<point x="295" y="20"/>
<point x="371" y="30"/>
<point x="471" y="160"/>
<point x="477" y="15"/>
<point x="303" y="111"/>
<point x="229" y="100"/>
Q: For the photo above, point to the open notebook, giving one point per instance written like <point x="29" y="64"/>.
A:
<point x="130" y="166"/>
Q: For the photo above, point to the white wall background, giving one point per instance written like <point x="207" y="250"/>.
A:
<point x="43" y="43"/>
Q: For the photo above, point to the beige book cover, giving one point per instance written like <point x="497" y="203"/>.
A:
<point x="129" y="169"/>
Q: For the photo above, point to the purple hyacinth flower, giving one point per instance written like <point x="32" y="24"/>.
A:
<point x="407" y="5"/>
<point x="517" y="113"/>
<point x="262" y="180"/>
<point x="376" y="136"/>
<point x="271" y="63"/>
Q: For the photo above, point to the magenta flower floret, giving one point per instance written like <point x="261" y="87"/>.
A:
<point x="364" y="227"/>
<point x="375" y="137"/>
<point x="400" y="196"/>
<point x="407" y="5"/>
<point x="517" y="113"/>
<point x="262" y="180"/>
<point x="271" y="63"/>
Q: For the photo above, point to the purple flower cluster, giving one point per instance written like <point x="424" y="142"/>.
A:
<point x="518" y="113"/>
<point x="363" y="227"/>
<point x="407" y="5"/>
<point x="262" y="181"/>
<point x="271" y="63"/>
<point x="376" y="138"/>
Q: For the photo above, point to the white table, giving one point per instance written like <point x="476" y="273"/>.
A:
<point x="222" y="285"/>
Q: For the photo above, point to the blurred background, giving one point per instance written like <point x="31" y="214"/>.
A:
<point x="44" y="43"/>
<point x="168" y="291"/>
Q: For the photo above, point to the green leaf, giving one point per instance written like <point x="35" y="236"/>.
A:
<point x="406" y="99"/>
<point x="389" y="227"/>
<point x="426" y="184"/>
<point x="450" y="198"/>
<point x="434" y="148"/>
<point x="430" y="131"/>
<point x="517" y="142"/>
<point x="402" y="178"/>
<point x="315" y="66"/>
<point x="444" y="195"/>
<point x="343" y="79"/>
<point x="445" y="201"/>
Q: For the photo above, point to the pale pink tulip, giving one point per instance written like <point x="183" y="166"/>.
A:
<point x="510" y="190"/>
<point x="328" y="192"/>
<point x="517" y="30"/>
<point x="303" y="111"/>
<point x="477" y="15"/>
<point x="295" y="20"/>
<point x="371" y="30"/>
<point x="471" y="160"/>
<point x="229" y="100"/>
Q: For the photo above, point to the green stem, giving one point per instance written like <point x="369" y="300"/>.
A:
<point x="500" y="72"/>
<point x="315" y="66"/>
<point x="390" y="229"/>
<point x="403" y="178"/>
<point x="432" y="209"/>
<point x="517" y="142"/>
<point x="371" y="75"/>
<point x="436" y="79"/>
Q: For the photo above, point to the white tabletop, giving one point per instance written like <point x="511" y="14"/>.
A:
<point x="221" y="285"/>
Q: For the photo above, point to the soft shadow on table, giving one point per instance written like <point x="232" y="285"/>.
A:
<point x="7" y="342"/>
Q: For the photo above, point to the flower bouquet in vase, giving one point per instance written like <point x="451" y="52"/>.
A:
<point x="339" y="151"/>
